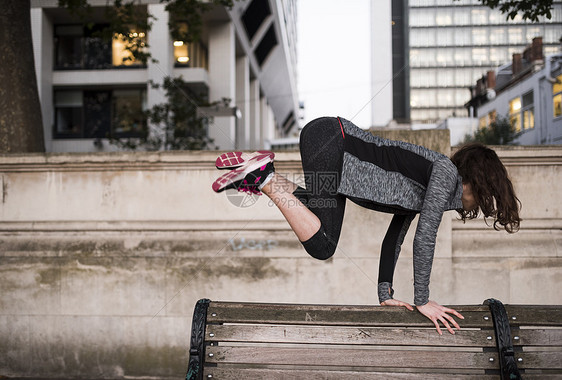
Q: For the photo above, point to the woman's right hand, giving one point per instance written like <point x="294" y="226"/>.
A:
<point x="393" y="302"/>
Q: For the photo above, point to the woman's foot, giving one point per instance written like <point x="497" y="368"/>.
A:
<point x="232" y="160"/>
<point x="250" y="176"/>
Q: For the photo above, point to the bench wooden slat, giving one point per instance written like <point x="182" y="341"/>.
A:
<point x="294" y="374"/>
<point x="347" y="335"/>
<point x="303" y="357"/>
<point x="539" y="360"/>
<point x="544" y="315"/>
<point x="223" y="312"/>
<point x="539" y="337"/>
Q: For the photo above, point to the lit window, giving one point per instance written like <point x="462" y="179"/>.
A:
<point x="480" y="55"/>
<point x="557" y="105"/>
<point x="444" y="17"/>
<point x="181" y="54"/>
<point x="479" y="16"/>
<point x="480" y="36"/>
<point x="516" y="36"/>
<point x="528" y="119"/>
<point x="482" y="122"/>
<point x="121" y="55"/>
<point x="528" y="111"/>
<point x="498" y="36"/>
<point x="515" y="113"/>
<point x="491" y="117"/>
<point x="557" y="96"/>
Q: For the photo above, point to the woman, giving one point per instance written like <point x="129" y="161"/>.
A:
<point x="342" y="161"/>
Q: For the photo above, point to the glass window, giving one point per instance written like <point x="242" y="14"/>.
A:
<point x="532" y="32"/>
<point x="97" y="114"/>
<point x="445" y="57"/>
<point x="480" y="36"/>
<point x="422" y="17"/>
<point x="68" y="114"/>
<point x="81" y="47"/>
<point x="463" y="36"/>
<point x="422" y="97"/>
<point x="422" y="78"/>
<point x="551" y="34"/>
<point x="462" y="16"/>
<point x="68" y="46"/>
<point x="496" y="17"/>
<point x="446" y="78"/>
<point x="463" y="77"/>
<point x="422" y="57"/>
<point x="528" y="110"/>
<point x="498" y="36"/>
<point x="498" y="56"/>
<point x="492" y="117"/>
<point x="480" y="55"/>
<point x="94" y="113"/>
<point x="483" y="122"/>
<point x="527" y="99"/>
<point x="462" y="96"/>
<point x="557" y="105"/>
<point x="444" y="16"/>
<point x="529" y="119"/>
<point x="446" y="97"/>
<point x="122" y="56"/>
<point x="479" y="16"/>
<point x="515" y="113"/>
<point x="445" y="37"/>
<point x="127" y="116"/>
<point x="557" y="97"/>
<point x="427" y="37"/>
<point x="463" y="57"/>
<point x="515" y="35"/>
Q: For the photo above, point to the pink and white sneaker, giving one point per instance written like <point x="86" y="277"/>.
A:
<point x="247" y="177"/>
<point x="232" y="160"/>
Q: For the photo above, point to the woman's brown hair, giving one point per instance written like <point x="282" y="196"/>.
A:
<point x="481" y="168"/>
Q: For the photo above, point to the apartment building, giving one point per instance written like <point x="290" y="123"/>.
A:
<point x="527" y="91"/>
<point x="246" y="54"/>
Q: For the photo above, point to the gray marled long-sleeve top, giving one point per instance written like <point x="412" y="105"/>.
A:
<point x="403" y="179"/>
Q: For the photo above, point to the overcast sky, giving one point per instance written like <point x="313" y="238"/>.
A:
<point x="334" y="59"/>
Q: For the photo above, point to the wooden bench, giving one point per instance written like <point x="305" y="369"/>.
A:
<point x="283" y="341"/>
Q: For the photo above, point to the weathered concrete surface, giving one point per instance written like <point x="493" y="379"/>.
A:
<point x="103" y="256"/>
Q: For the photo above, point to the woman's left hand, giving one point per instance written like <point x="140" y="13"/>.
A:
<point x="393" y="302"/>
<point x="436" y="312"/>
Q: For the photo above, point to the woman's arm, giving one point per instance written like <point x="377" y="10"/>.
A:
<point x="390" y="252"/>
<point x="442" y="185"/>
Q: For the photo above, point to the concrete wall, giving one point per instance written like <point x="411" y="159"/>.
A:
<point x="103" y="256"/>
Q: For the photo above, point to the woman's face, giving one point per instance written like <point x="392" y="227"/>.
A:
<point x="468" y="202"/>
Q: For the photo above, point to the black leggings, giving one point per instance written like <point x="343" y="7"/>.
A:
<point x="321" y="147"/>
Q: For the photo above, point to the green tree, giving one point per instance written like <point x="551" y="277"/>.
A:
<point x="499" y="132"/>
<point x="529" y="9"/>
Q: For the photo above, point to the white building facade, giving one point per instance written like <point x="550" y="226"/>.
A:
<point x="246" y="54"/>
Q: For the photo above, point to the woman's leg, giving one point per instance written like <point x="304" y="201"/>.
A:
<point x="315" y="214"/>
<point x="303" y="221"/>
